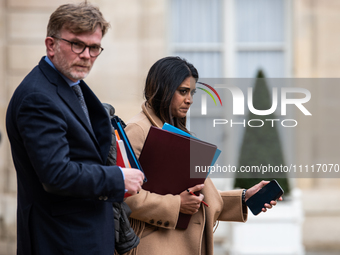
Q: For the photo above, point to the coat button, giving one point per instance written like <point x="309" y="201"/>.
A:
<point x="100" y="198"/>
<point x="152" y="221"/>
<point x="166" y="224"/>
<point x="105" y="198"/>
<point x="159" y="222"/>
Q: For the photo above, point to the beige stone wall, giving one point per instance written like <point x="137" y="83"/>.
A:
<point x="7" y="180"/>
<point x="317" y="54"/>
<point x="135" y="41"/>
<point x="3" y="92"/>
<point x="138" y="38"/>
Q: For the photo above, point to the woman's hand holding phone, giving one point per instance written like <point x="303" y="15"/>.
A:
<point x="261" y="197"/>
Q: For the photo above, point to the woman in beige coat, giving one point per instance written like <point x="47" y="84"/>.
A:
<point x="170" y="85"/>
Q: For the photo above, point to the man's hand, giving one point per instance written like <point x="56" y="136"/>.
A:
<point x="133" y="180"/>
<point x="251" y="191"/>
<point x="189" y="203"/>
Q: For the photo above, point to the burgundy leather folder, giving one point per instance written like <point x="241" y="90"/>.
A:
<point x="169" y="161"/>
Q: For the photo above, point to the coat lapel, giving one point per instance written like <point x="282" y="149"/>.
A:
<point x="100" y="120"/>
<point x="151" y="115"/>
<point x="68" y="96"/>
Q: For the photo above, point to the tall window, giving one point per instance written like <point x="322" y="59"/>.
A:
<point x="262" y="37"/>
<point x="232" y="38"/>
<point x="196" y="34"/>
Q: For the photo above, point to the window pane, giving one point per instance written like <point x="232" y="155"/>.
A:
<point x="271" y="63"/>
<point x="196" y="21"/>
<point x="260" y="20"/>
<point x="208" y="64"/>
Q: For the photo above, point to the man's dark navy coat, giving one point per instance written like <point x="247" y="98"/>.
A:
<point x="64" y="188"/>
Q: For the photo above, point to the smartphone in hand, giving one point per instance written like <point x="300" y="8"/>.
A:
<point x="271" y="191"/>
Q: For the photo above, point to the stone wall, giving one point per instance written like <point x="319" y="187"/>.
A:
<point x="317" y="55"/>
<point x="137" y="38"/>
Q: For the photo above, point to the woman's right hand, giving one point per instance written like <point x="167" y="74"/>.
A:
<point x="191" y="203"/>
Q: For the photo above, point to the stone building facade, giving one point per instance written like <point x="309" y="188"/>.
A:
<point x="137" y="38"/>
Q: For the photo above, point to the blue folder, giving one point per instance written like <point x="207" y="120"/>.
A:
<point x="129" y="151"/>
<point x="173" y="129"/>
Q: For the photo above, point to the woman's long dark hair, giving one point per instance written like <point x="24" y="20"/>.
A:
<point x="162" y="81"/>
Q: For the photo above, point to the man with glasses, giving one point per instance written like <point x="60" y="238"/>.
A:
<point x="60" y="138"/>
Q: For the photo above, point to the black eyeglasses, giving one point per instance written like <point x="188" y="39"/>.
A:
<point x="79" y="47"/>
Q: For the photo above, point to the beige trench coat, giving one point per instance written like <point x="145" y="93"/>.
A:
<point x="160" y="213"/>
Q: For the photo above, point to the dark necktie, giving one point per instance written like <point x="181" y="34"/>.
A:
<point x="80" y="96"/>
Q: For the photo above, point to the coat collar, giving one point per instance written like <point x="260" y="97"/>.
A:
<point x="65" y="92"/>
<point x="100" y="131"/>
<point x="151" y="115"/>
